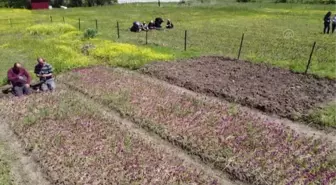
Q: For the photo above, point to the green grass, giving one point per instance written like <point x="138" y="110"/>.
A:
<point x="325" y="116"/>
<point x="217" y="31"/>
<point x="212" y="30"/>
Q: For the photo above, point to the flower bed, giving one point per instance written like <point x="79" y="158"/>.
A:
<point x="75" y="144"/>
<point x="249" y="148"/>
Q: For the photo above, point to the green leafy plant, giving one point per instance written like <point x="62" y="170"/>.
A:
<point x="90" y="33"/>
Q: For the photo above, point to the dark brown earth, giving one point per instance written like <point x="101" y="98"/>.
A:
<point x="270" y="89"/>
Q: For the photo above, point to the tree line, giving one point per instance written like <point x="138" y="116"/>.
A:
<point x="297" y="1"/>
<point x="57" y="3"/>
<point x="89" y="3"/>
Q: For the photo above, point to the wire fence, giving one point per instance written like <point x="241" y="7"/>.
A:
<point x="237" y="45"/>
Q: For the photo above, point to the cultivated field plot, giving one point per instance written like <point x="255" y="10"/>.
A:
<point x="250" y="148"/>
<point x="76" y="144"/>
<point x="260" y="86"/>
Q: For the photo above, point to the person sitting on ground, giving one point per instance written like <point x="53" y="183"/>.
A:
<point x="170" y="24"/>
<point x="151" y="25"/>
<point x="158" y="22"/>
<point x="136" y="27"/>
<point x="20" y="80"/>
<point x="44" y="71"/>
<point x="144" y="26"/>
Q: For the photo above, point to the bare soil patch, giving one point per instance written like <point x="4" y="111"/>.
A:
<point x="269" y="89"/>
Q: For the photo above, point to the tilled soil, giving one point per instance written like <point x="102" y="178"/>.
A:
<point x="270" y="89"/>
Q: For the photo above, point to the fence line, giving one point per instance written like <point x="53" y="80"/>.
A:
<point x="95" y="24"/>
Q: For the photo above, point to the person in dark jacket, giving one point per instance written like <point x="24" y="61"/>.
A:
<point x="333" y="24"/>
<point x="136" y="26"/>
<point x="19" y="79"/>
<point x="151" y="25"/>
<point x="158" y="22"/>
<point x="326" y="23"/>
<point x="170" y="24"/>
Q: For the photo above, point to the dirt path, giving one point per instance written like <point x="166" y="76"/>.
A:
<point x="297" y="126"/>
<point x="159" y="142"/>
<point x="24" y="171"/>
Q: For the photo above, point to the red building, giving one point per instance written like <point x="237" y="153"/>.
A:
<point x="39" y="4"/>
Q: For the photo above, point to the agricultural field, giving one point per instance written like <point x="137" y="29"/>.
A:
<point x="248" y="146"/>
<point x="279" y="34"/>
<point x="269" y="89"/>
<point x="127" y="112"/>
<point x="75" y="143"/>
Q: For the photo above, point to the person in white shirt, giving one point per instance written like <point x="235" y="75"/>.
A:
<point x="333" y="24"/>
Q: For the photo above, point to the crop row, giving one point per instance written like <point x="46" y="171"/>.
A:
<point x="248" y="147"/>
<point x="76" y="144"/>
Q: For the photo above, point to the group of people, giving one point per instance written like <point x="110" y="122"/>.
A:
<point x="327" y="20"/>
<point x="20" y="79"/>
<point x="137" y="26"/>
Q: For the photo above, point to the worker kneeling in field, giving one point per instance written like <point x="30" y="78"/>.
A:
<point x="44" y="71"/>
<point x="170" y="24"/>
<point x="158" y="22"/>
<point x="151" y="25"/>
<point x="144" y="26"/>
<point x="136" y="27"/>
<point x="20" y="80"/>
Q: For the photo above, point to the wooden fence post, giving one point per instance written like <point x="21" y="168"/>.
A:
<point x="241" y="45"/>
<point x="118" y="30"/>
<point x="309" y="60"/>
<point x="146" y="36"/>
<point x="96" y="25"/>
<point x="185" y="40"/>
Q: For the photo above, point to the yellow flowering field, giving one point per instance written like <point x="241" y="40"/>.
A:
<point x="126" y="55"/>
<point x="62" y="46"/>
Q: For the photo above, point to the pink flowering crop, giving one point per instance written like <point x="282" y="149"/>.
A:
<point x="76" y="144"/>
<point x="248" y="147"/>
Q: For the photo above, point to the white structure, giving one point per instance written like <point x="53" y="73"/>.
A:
<point x="146" y="1"/>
